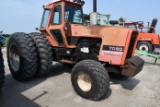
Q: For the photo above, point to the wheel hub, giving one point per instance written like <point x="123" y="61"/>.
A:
<point x="84" y="82"/>
<point x="14" y="57"/>
<point x="144" y="47"/>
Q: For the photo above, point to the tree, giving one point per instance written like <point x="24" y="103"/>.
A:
<point x="122" y="19"/>
<point x="107" y="18"/>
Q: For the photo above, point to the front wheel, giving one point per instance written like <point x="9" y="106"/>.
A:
<point x="90" y="80"/>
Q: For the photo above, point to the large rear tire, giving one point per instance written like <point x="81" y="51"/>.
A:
<point x="22" y="57"/>
<point x="1" y="69"/>
<point x="145" y="46"/>
<point x="90" y="80"/>
<point x="44" y="53"/>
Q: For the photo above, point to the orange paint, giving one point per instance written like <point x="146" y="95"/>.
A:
<point x="111" y="36"/>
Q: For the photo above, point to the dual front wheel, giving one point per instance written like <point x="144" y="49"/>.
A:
<point x="28" y="55"/>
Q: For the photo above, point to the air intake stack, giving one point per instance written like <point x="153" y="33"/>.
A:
<point x="93" y="15"/>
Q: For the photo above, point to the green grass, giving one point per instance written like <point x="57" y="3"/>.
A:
<point x="6" y="41"/>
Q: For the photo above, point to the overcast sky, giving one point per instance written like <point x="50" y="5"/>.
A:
<point x="25" y="15"/>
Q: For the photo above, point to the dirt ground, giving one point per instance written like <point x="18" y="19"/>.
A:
<point x="55" y="90"/>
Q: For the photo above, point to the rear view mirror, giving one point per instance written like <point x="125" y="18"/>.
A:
<point x="82" y="2"/>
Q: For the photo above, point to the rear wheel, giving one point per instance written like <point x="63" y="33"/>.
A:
<point x="44" y="53"/>
<point x="90" y="80"/>
<point x="145" y="46"/>
<point x="22" y="57"/>
<point x="1" y="69"/>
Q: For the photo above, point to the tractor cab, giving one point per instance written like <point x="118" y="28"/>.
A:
<point x="57" y="17"/>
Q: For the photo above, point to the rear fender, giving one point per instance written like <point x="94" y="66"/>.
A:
<point x="145" y="40"/>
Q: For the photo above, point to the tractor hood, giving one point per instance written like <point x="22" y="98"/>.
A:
<point x="113" y="35"/>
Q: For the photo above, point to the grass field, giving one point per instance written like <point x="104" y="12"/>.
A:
<point x="6" y="41"/>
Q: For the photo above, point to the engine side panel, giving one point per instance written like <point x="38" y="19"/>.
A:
<point x="115" y="41"/>
<point x="115" y="44"/>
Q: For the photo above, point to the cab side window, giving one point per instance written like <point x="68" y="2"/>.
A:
<point x="56" y="19"/>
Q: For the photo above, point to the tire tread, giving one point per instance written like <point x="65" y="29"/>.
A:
<point x="44" y="53"/>
<point x="27" y="55"/>
<point x="100" y="74"/>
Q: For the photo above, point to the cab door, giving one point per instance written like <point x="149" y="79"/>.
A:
<point x="52" y="25"/>
<point x="56" y="26"/>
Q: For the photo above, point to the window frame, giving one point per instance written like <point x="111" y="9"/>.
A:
<point x="53" y="16"/>
<point x="74" y="6"/>
<point x="42" y="20"/>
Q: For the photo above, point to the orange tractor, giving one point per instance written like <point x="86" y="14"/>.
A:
<point x="148" y="40"/>
<point x="95" y="50"/>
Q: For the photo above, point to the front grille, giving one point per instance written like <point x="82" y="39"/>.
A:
<point x="131" y="45"/>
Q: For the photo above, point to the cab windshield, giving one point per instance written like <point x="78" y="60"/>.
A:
<point x="73" y="14"/>
<point x="45" y="18"/>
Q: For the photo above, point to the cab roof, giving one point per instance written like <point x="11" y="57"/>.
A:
<point x="55" y="1"/>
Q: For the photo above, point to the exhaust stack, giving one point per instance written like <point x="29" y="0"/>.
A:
<point x="94" y="5"/>
<point x="153" y="25"/>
